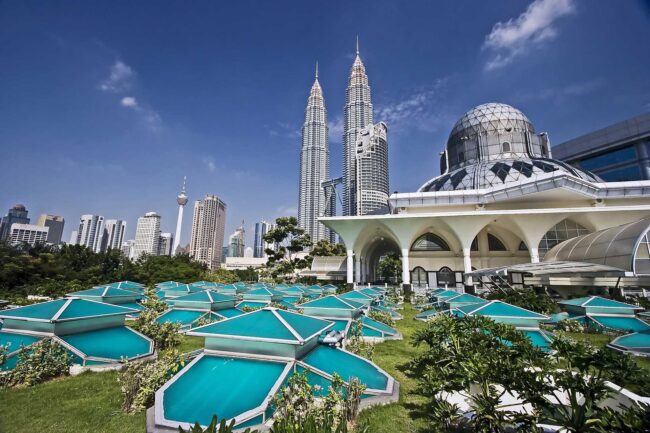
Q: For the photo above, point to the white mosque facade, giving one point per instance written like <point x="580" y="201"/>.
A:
<point x="502" y="201"/>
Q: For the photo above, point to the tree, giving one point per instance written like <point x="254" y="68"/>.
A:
<point x="390" y="266"/>
<point x="326" y="248"/>
<point x="289" y="240"/>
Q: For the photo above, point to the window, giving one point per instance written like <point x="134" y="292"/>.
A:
<point x="474" y="246"/>
<point x="562" y="231"/>
<point x="505" y="146"/>
<point x="461" y="156"/>
<point x="522" y="246"/>
<point x="419" y="277"/>
<point x="495" y="244"/>
<point x="446" y="277"/>
<point x="430" y="242"/>
<point x="609" y="158"/>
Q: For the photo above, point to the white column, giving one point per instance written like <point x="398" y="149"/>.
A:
<point x="357" y="270"/>
<point x="534" y="255"/>
<point x="179" y="223"/>
<point x="350" y="267"/>
<point x="406" y="269"/>
<point x="467" y="264"/>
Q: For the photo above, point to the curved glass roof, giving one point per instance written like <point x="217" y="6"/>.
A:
<point x="624" y="247"/>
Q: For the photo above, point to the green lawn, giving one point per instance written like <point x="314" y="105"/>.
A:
<point x="392" y="356"/>
<point x="601" y="340"/>
<point x="88" y="403"/>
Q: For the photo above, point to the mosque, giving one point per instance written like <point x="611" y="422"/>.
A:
<point x="501" y="210"/>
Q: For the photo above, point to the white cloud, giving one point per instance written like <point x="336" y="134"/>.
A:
<point x="421" y="109"/>
<point x="534" y="26"/>
<point x="210" y="164"/>
<point x="335" y="129"/>
<point x="284" y="129"/>
<point x="129" y="101"/>
<point x="120" y="78"/>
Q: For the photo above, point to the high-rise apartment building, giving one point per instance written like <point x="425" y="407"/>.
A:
<point x="260" y="245"/>
<point x="16" y="215"/>
<point x="356" y="115"/>
<point x="165" y="244"/>
<point x="371" y="169"/>
<point x="113" y="234"/>
<point x="91" y="231"/>
<point x="30" y="234"/>
<point x="314" y="165"/>
<point x="73" y="237"/>
<point x="208" y="227"/>
<point x="236" y="242"/>
<point x="147" y="235"/>
<point x="55" y="225"/>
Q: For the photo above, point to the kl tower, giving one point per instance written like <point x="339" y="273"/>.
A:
<point x="181" y="199"/>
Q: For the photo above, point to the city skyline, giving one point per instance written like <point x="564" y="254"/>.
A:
<point x="225" y="107"/>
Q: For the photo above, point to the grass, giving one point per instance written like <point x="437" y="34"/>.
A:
<point x="601" y="340"/>
<point x="392" y="356"/>
<point x="88" y="403"/>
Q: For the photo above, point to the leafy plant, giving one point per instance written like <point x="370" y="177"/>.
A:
<point x="3" y="353"/>
<point x="355" y="343"/>
<point x="289" y="240"/>
<point x="567" y="325"/>
<point x="139" y="380"/>
<point x="382" y="316"/>
<point x="214" y="427"/>
<point x="248" y="308"/>
<point x="526" y="298"/>
<point x="165" y="335"/>
<point x="207" y="319"/>
<point x="390" y="267"/>
<point x="41" y="361"/>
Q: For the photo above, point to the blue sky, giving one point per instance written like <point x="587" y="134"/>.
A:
<point x="105" y="106"/>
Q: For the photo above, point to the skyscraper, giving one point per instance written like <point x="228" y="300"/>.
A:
<point x="165" y="244"/>
<point x="127" y="248"/>
<point x="236" y="242"/>
<point x="147" y="235"/>
<point x="371" y="154"/>
<point x="17" y="214"/>
<point x="208" y="227"/>
<point x="55" y="225"/>
<point x="181" y="199"/>
<point x="259" y="247"/>
<point x="357" y="114"/>
<point x="113" y="234"/>
<point x="73" y="237"/>
<point x="314" y="165"/>
<point x="91" y="230"/>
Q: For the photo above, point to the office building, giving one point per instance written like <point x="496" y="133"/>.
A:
<point x="617" y="153"/>
<point x="236" y="242"/>
<point x="208" y="227"/>
<point x="55" y="225"/>
<point x="127" y="248"/>
<point x="358" y="113"/>
<point x="165" y="244"/>
<point x="113" y="234"/>
<point x="260" y="245"/>
<point x="91" y="231"/>
<point x="30" y="234"/>
<point x="16" y="215"/>
<point x="147" y="235"/>
<point x="371" y="169"/>
<point x="314" y="165"/>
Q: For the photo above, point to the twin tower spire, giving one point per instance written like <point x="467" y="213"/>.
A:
<point x="361" y="194"/>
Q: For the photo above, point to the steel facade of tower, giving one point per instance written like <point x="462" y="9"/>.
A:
<point x="208" y="226"/>
<point x="371" y="155"/>
<point x="314" y="165"/>
<point x="357" y="114"/>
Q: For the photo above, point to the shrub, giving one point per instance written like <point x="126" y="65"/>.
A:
<point x="567" y="325"/>
<point x="207" y="319"/>
<point x="297" y="411"/>
<point x="248" y="309"/>
<point x="526" y="298"/>
<point x="139" y="380"/>
<point x="354" y="342"/>
<point x="383" y="317"/>
<point x="215" y="427"/>
<point x="278" y="306"/>
<point x="42" y="361"/>
<point x="164" y="335"/>
<point x="3" y="353"/>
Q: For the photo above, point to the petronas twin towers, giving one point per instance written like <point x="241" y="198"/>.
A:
<point x="365" y="157"/>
